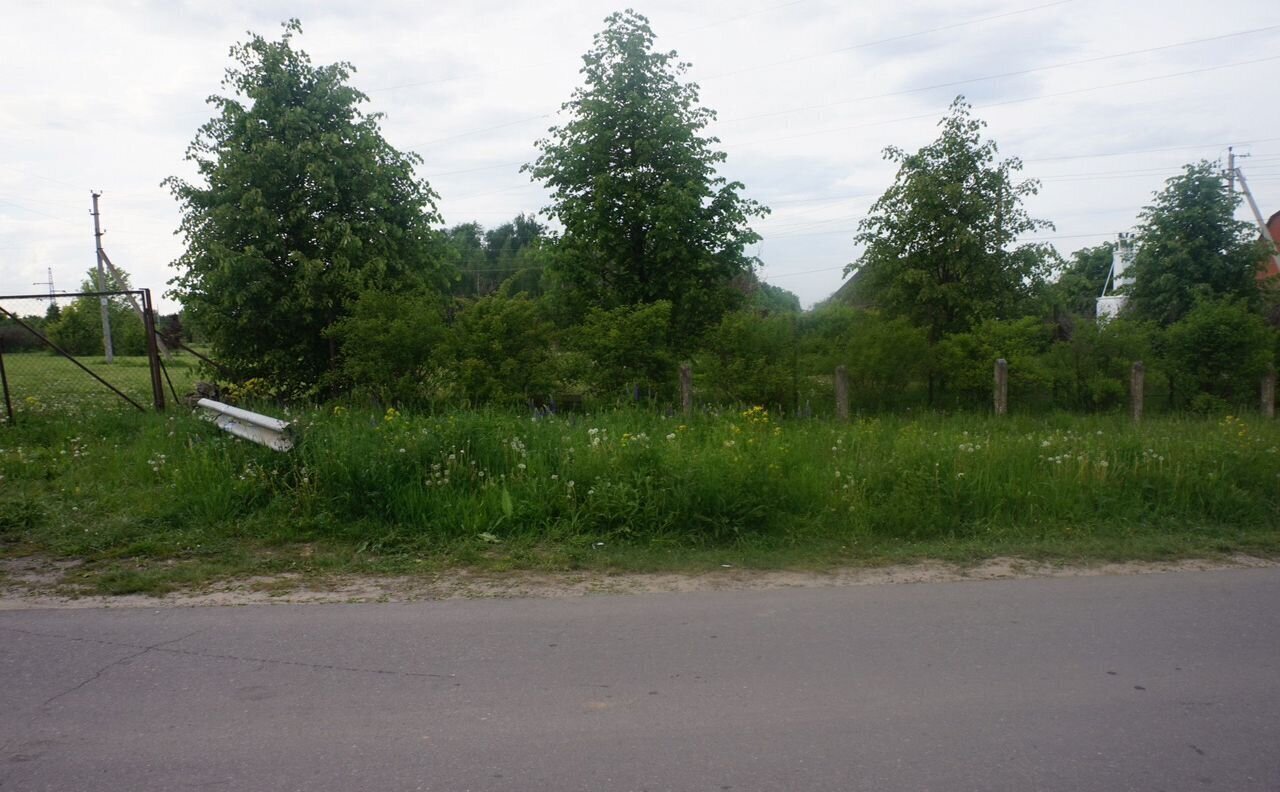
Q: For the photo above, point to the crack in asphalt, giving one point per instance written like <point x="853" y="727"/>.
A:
<point x="98" y="674"/>
<point x="161" y="647"/>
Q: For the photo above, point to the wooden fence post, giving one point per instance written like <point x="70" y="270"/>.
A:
<point x="842" y="394"/>
<point x="1002" y="387"/>
<point x="1269" y="394"/>
<point x="686" y="388"/>
<point x="1137" y="390"/>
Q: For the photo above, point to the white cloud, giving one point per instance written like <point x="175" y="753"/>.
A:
<point x="108" y="97"/>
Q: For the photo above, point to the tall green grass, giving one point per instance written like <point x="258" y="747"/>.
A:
<point x="639" y="489"/>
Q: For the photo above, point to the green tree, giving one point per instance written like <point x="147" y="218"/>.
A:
<point x="387" y="345"/>
<point x="887" y="359"/>
<point x="965" y="360"/>
<point x="78" y="328"/>
<point x="487" y="260"/>
<point x="1090" y="369"/>
<point x="627" y="351"/>
<point x="634" y="185"/>
<point x="500" y="351"/>
<point x="770" y="299"/>
<point x="1217" y="353"/>
<point x="1190" y="247"/>
<point x="750" y="358"/>
<point x="301" y="206"/>
<point x="941" y="243"/>
<point x="1079" y="284"/>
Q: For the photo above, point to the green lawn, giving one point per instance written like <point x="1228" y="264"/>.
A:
<point x="43" y="383"/>
<point x="152" y="501"/>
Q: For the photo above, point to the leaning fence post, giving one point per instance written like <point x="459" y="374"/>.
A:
<point x="153" y="351"/>
<point x="842" y="394"/>
<point x="686" y="388"/>
<point x="1002" y="387"/>
<point x="1269" y="394"/>
<point x="1137" y="390"/>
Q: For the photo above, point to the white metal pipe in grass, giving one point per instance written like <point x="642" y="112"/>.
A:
<point x="254" y="427"/>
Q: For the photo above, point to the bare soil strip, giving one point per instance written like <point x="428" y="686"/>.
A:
<point x="34" y="582"/>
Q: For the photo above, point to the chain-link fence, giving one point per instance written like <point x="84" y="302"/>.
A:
<point x="85" y="351"/>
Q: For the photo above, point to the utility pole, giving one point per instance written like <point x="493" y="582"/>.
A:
<point x="1257" y="215"/>
<point x="106" y="316"/>
<point x="1231" y="170"/>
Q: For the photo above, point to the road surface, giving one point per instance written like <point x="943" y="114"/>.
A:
<point x="1149" y="682"/>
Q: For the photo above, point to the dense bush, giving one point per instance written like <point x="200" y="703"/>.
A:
<point x="750" y="359"/>
<point x="887" y="359"/>
<point x="387" y="347"/>
<point x="626" y="353"/>
<point x="1218" y="351"/>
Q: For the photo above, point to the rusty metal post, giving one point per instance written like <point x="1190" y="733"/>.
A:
<point x="686" y="388"/>
<point x="842" y="394"/>
<point x="153" y="351"/>
<point x="1137" y="390"/>
<point x="1002" y="387"/>
<point x="1269" y="394"/>
<point x="4" y="381"/>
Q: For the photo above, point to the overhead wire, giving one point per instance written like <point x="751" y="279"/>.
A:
<point x="1020" y="100"/>
<point x="900" y="37"/>
<point x="886" y="40"/>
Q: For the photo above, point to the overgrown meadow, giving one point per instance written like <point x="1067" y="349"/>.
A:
<point x="152" y="501"/>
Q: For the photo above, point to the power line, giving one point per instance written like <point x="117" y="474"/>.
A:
<point x="1038" y="97"/>
<point x="485" y="129"/>
<point x="1002" y="75"/>
<point x="558" y="61"/>
<point x="1128" y="152"/>
<point x="473" y="170"/>
<point x="887" y="40"/>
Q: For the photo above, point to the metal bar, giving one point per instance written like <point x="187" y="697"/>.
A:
<point x="4" y="381"/>
<point x="153" y="352"/>
<point x="172" y="390"/>
<point x="68" y="356"/>
<point x="69" y="295"/>
<point x="119" y="276"/>
<point x="218" y="366"/>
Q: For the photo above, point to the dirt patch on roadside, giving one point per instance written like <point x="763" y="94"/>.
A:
<point x="32" y="582"/>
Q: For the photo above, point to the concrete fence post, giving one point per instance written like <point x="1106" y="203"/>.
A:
<point x="842" y="394"/>
<point x="1137" y="390"/>
<point x="1002" y="387"/>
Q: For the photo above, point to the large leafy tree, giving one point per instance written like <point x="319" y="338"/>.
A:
<point x="941" y="244"/>
<point x="300" y="207"/>
<point x="1191" y="247"/>
<point x="633" y="180"/>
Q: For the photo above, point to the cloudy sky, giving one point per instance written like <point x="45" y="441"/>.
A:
<point x="1102" y="100"/>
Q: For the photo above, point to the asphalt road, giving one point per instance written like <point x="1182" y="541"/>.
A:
<point x="1150" y="682"/>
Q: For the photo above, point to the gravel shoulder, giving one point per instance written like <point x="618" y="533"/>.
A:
<point x="34" y="582"/>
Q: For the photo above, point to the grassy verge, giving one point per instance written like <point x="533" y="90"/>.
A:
<point x="155" y="502"/>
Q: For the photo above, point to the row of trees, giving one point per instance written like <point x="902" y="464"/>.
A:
<point x="314" y="262"/>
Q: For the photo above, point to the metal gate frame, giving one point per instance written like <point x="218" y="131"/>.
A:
<point x="149" y="329"/>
